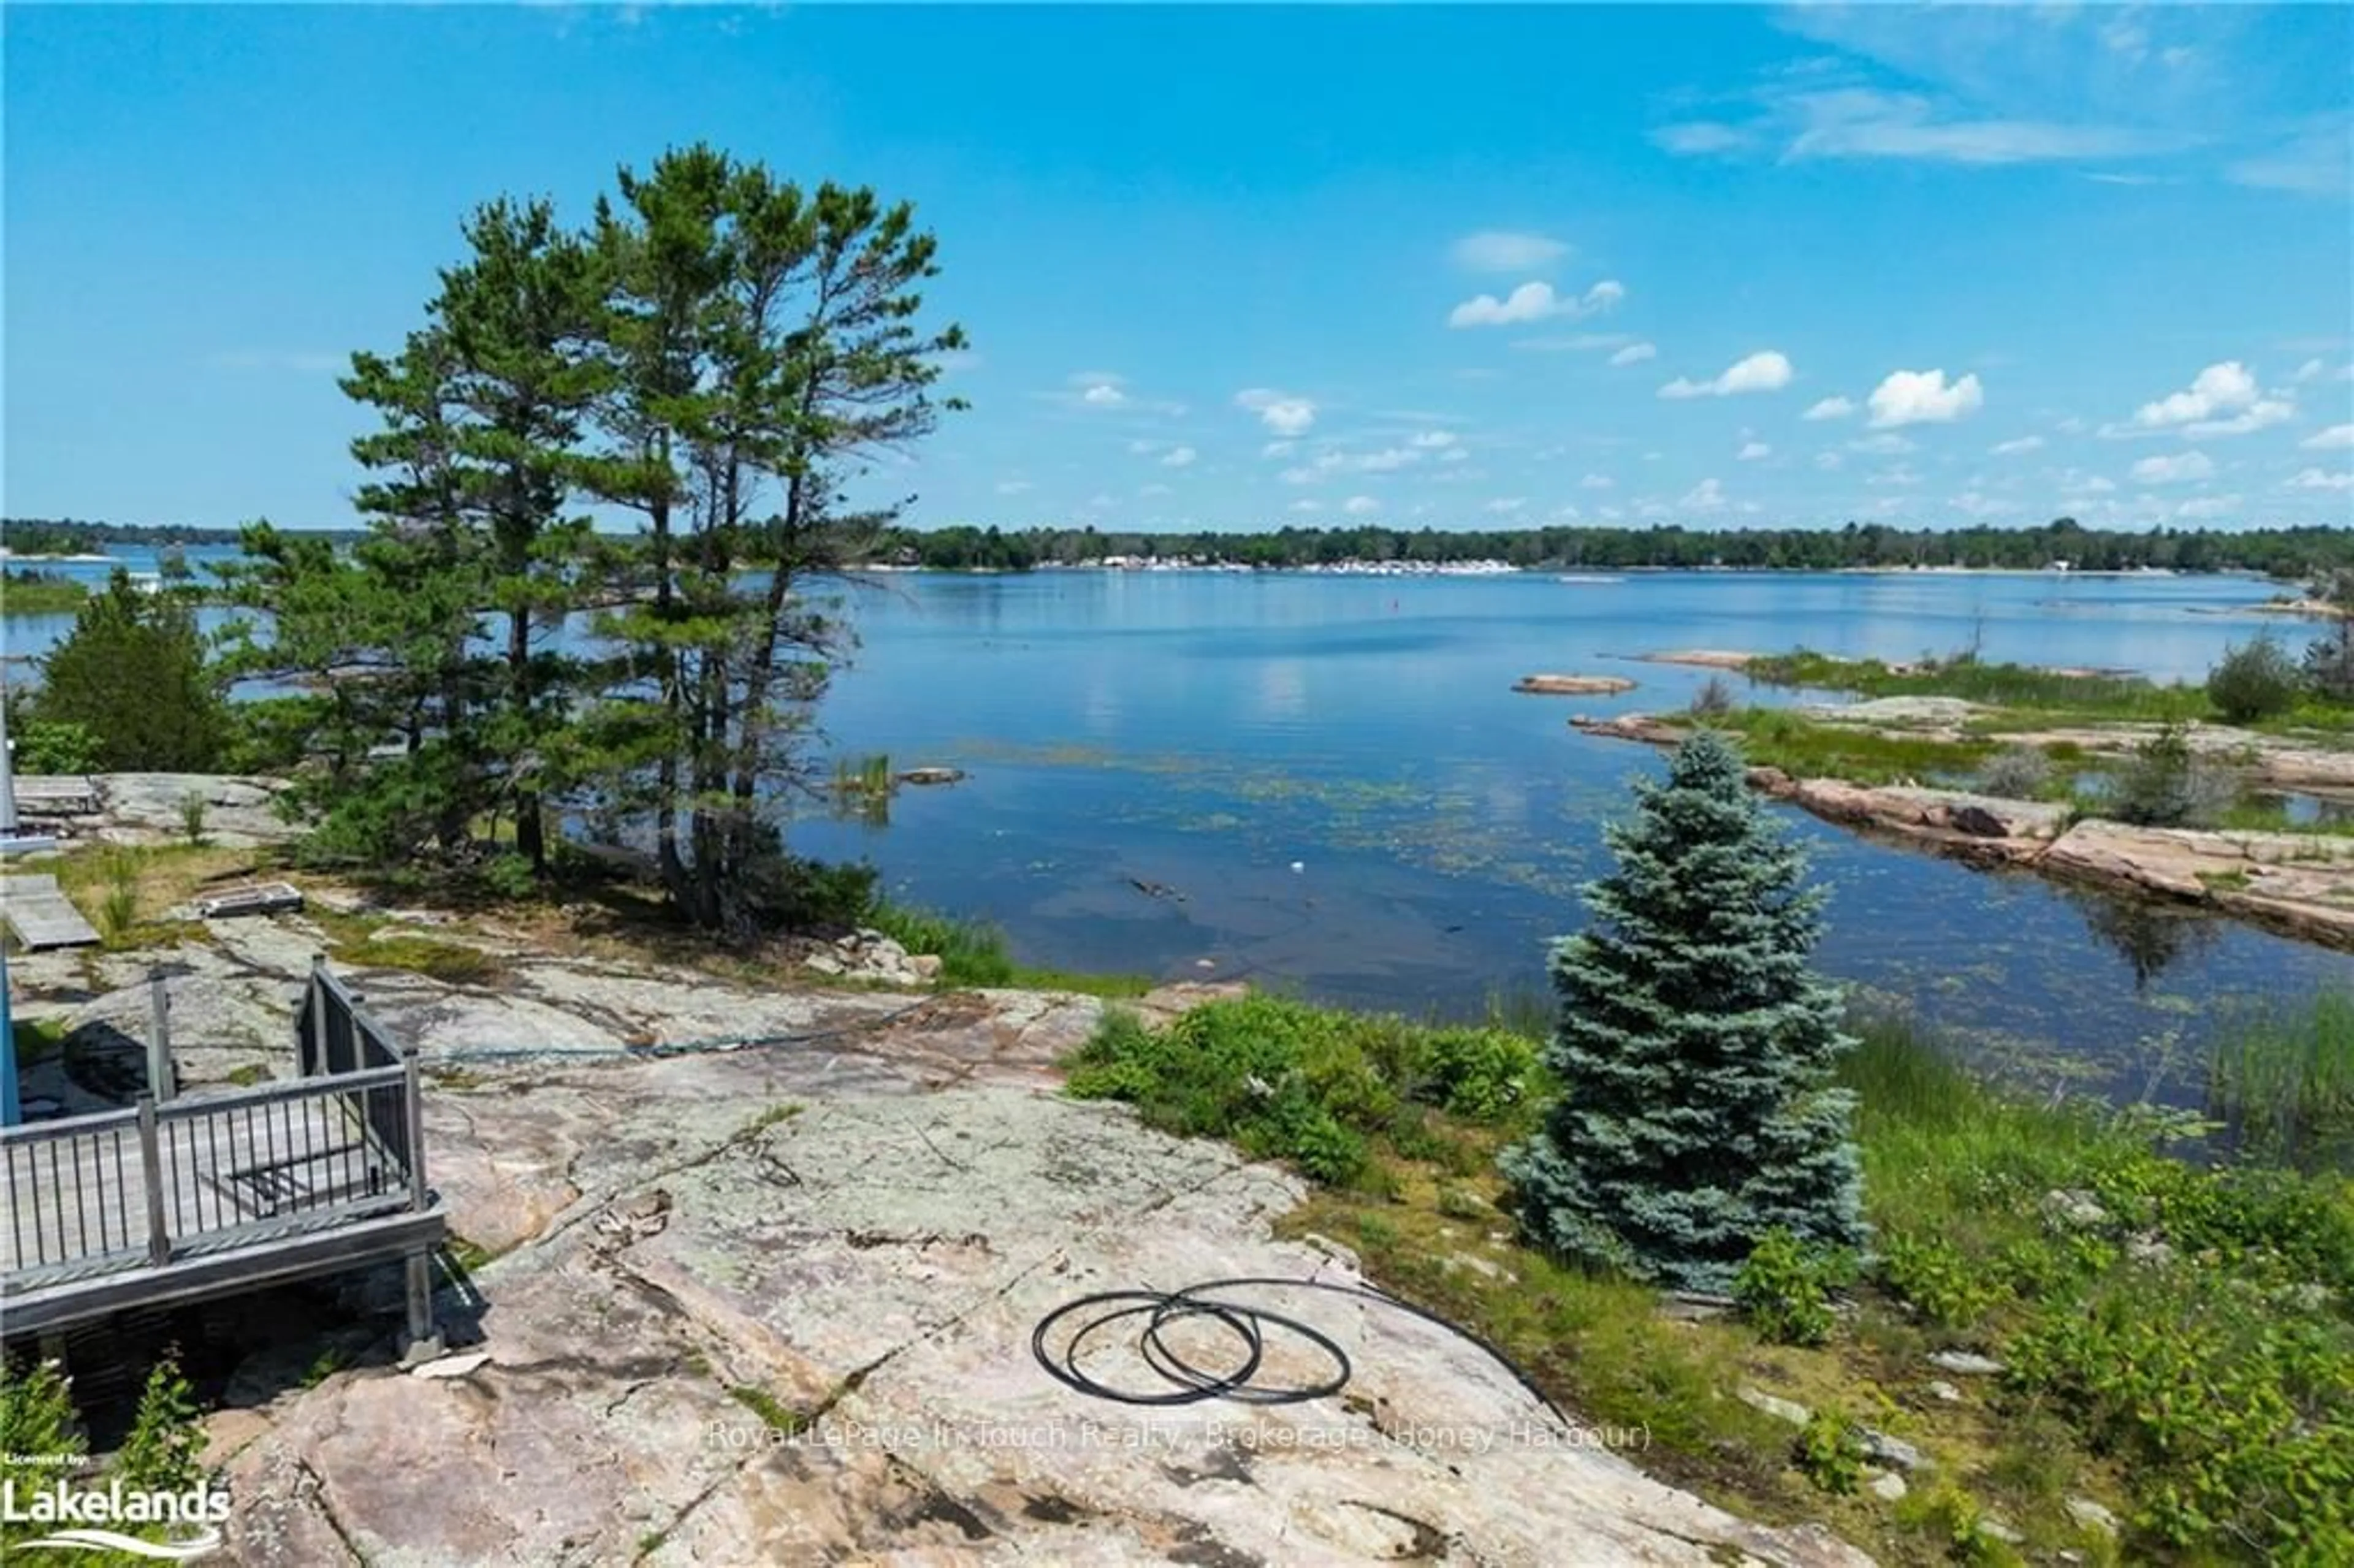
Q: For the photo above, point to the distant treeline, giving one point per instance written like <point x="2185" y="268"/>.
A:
<point x="2289" y="553"/>
<point x="2286" y="553"/>
<point x="71" y="537"/>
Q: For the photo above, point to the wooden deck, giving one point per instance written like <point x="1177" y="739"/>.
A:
<point x="56" y="795"/>
<point x="40" y="916"/>
<point x="159" y="1204"/>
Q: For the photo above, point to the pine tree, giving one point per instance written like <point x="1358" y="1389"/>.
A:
<point x="1694" y="1048"/>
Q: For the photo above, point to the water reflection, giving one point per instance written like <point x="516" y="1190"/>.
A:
<point x="2151" y="937"/>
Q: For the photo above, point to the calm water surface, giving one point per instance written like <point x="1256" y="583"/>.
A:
<point x="1339" y="790"/>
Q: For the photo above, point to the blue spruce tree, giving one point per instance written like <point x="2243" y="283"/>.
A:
<point x="1695" y="1048"/>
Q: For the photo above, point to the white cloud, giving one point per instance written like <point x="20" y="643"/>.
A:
<point x="1694" y="137"/>
<point x="1752" y="451"/>
<point x="1596" y="481"/>
<point x="1306" y="506"/>
<point x="1829" y="461"/>
<point x="2088" y="484"/>
<point x="2208" y="506"/>
<point x="1504" y="505"/>
<point x="2336" y="438"/>
<point x="1280" y="412"/>
<point x="2014" y="449"/>
<point x="1504" y="250"/>
<point x="2261" y="414"/>
<point x="2316" y="161"/>
<point x="1923" y="397"/>
<point x="1012" y="486"/>
<point x="1141" y="448"/>
<point x="1862" y="123"/>
<point x="1103" y="395"/>
<point x="1708" y="495"/>
<point x="1635" y="353"/>
<point x="1763" y="372"/>
<point x="2173" y="470"/>
<point x="1884" y="445"/>
<point x="2318" y="479"/>
<point x="1431" y="440"/>
<point x="1535" y="302"/>
<point x="2311" y="370"/>
<point x="1453" y="454"/>
<point x="1278" y="448"/>
<point x="1829" y="408"/>
<point x="1178" y="457"/>
<point x="1361" y="506"/>
<point x="2219" y="389"/>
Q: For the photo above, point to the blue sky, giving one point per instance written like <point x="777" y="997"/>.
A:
<point x="1244" y="266"/>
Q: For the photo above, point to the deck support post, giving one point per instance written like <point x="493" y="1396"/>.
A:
<point x="161" y="1081"/>
<point x="151" y="1171"/>
<point x="424" y="1342"/>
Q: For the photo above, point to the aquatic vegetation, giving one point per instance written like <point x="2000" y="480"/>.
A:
<point x="2281" y="1082"/>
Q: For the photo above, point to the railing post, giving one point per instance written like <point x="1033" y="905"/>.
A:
<point x="412" y="1090"/>
<point x="150" y="1170"/>
<point x="317" y="999"/>
<point x="160" y="1077"/>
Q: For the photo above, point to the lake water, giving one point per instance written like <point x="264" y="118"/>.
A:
<point x="1333" y="781"/>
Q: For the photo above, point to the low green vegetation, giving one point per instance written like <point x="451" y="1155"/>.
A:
<point x="24" y="592"/>
<point x="2063" y="1240"/>
<point x="452" y="963"/>
<point x="2257" y="684"/>
<point x="1996" y="686"/>
<point x="43" y="1443"/>
<point x="1289" y="1081"/>
<point x="1810" y="749"/>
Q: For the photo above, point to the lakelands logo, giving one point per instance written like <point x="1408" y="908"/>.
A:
<point x="194" y="1519"/>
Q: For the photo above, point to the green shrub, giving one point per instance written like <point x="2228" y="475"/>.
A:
<point x="48" y="747"/>
<point x="1292" y="1081"/>
<point x="1830" y="1453"/>
<point x="510" y="876"/>
<point x="1782" y="1290"/>
<point x="1931" y="1275"/>
<point x="2015" y="773"/>
<point x="2255" y="681"/>
<point x="1481" y="1074"/>
<point x="2168" y="785"/>
<point x="2236" y="1418"/>
<point x="166" y="1435"/>
<point x="192" y="806"/>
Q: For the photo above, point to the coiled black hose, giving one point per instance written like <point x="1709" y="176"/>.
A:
<point x="1191" y="1384"/>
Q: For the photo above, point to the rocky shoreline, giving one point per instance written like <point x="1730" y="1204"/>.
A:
<point x="748" y="1274"/>
<point x="2299" y="885"/>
